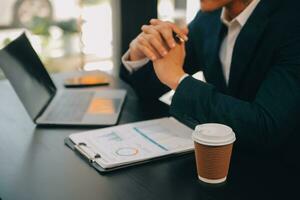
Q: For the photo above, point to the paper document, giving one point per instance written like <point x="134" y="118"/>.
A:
<point x="135" y="142"/>
<point x="167" y="97"/>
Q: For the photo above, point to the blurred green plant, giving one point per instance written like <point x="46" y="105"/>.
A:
<point x="41" y="26"/>
<point x="68" y="26"/>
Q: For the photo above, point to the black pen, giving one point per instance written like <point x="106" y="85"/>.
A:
<point x="177" y="38"/>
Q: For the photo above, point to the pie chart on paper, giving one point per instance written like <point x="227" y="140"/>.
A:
<point x="127" y="151"/>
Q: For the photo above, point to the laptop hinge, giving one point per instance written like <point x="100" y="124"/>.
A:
<point x="44" y="107"/>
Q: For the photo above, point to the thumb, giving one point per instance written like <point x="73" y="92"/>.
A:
<point x="182" y="47"/>
<point x="185" y="30"/>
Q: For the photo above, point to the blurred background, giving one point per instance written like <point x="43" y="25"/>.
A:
<point x="85" y="34"/>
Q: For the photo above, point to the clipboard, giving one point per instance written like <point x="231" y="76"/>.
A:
<point x="92" y="163"/>
<point x="172" y="139"/>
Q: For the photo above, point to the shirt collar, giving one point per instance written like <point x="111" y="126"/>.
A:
<point x="242" y="18"/>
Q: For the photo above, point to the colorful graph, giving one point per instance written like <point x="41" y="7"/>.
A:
<point x="112" y="136"/>
<point x="127" y="151"/>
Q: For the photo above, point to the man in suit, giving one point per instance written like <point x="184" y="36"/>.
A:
<point x="249" y="52"/>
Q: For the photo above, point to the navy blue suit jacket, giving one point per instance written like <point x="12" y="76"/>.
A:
<point x="261" y="101"/>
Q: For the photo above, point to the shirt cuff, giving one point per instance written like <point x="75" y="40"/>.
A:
<point x="132" y="66"/>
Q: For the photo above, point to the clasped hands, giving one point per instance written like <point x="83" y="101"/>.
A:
<point x="157" y="43"/>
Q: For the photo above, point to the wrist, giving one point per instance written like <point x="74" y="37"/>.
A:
<point x="176" y="80"/>
<point x="135" y="55"/>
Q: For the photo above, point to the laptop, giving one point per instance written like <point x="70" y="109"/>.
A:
<point x="47" y="105"/>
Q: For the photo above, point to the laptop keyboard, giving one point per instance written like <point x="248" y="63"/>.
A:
<point x="72" y="106"/>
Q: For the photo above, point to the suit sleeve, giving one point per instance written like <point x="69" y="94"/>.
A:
<point x="263" y="124"/>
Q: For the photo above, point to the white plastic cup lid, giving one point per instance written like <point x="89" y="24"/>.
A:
<point x="213" y="134"/>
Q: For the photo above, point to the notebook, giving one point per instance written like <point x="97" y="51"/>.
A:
<point x="121" y="146"/>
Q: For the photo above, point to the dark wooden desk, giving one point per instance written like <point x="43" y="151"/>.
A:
<point x="35" y="164"/>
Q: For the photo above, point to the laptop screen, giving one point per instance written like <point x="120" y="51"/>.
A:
<point x="26" y="73"/>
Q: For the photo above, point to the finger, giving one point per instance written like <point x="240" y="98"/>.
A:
<point x="155" y="21"/>
<point x="163" y="31"/>
<point x="157" y="44"/>
<point x="167" y="34"/>
<point x="149" y="29"/>
<point x="146" y="48"/>
<point x="185" y="30"/>
<point x="180" y="32"/>
<point x="162" y="48"/>
<point x="147" y="52"/>
<point x="182" y="46"/>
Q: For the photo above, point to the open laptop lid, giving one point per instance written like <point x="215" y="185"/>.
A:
<point x="26" y="73"/>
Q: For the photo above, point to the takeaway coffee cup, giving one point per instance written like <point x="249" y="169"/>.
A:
<point x="213" y="147"/>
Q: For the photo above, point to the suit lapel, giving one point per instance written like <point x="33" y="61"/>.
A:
<point x="214" y="72"/>
<point x="247" y="42"/>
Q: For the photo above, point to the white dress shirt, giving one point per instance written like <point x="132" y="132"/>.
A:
<point x="234" y="28"/>
<point x="226" y="50"/>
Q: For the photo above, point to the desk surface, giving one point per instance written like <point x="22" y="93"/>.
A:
<point x="35" y="164"/>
